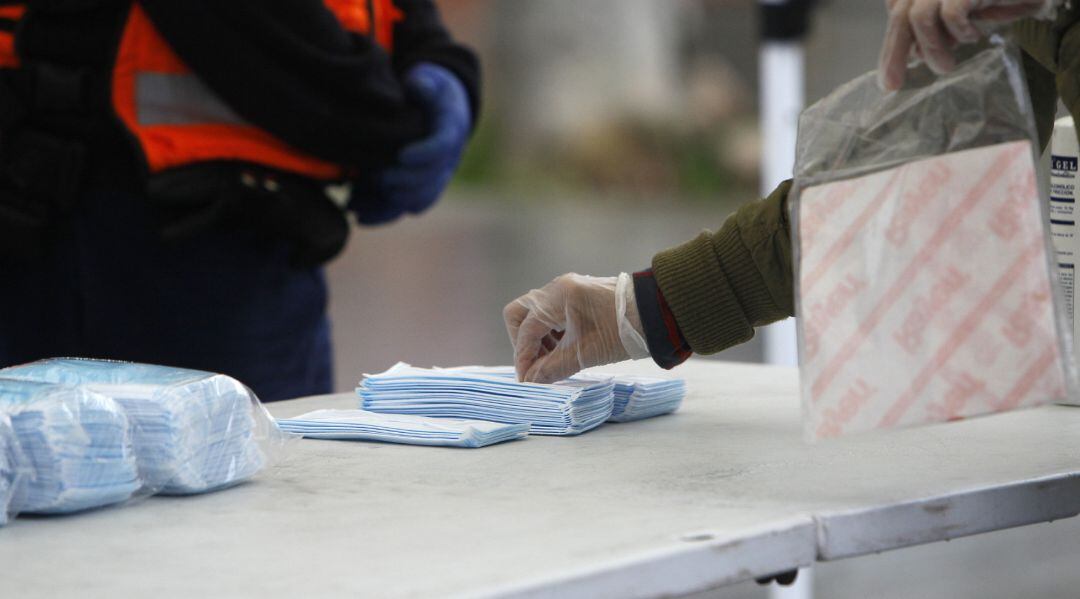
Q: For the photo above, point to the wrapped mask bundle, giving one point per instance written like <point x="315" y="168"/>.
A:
<point x="193" y="431"/>
<point x="566" y="408"/>
<point x="361" y="425"/>
<point x="639" y="397"/>
<point x="76" y="444"/>
<point x="12" y="467"/>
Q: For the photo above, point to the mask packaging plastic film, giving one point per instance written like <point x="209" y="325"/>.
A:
<point x="193" y="431"/>
<point x="73" y="449"/>
<point x="926" y="282"/>
<point x="360" y="425"/>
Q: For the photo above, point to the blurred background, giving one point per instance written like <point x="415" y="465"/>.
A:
<point x="613" y="129"/>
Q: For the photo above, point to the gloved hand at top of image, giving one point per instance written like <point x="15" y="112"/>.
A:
<point x="425" y="167"/>
<point x="932" y="29"/>
<point x="572" y="323"/>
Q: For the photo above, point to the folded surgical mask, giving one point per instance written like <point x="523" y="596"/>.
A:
<point x="193" y="431"/>
<point x="639" y="397"/>
<point x="399" y="428"/>
<point x="76" y="444"/>
<point x="565" y="408"/>
<point x="635" y="397"/>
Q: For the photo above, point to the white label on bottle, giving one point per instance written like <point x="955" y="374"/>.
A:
<point x="1063" y="219"/>
<point x="1064" y="156"/>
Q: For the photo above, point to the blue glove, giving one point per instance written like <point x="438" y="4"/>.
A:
<point x="424" y="168"/>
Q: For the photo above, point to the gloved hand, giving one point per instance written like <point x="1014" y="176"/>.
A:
<point x="572" y="323"/>
<point x="425" y="167"/>
<point x="933" y="29"/>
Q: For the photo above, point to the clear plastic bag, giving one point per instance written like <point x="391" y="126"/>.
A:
<point x="70" y="449"/>
<point x="14" y="470"/>
<point x="925" y="286"/>
<point x="193" y="431"/>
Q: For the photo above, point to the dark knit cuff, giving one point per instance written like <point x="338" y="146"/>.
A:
<point x="665" y="341"/>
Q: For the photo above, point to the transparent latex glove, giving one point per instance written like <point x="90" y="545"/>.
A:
<point x="574" y="322"/>
<point x="932" y="29"/>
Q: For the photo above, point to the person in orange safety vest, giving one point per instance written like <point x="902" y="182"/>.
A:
<point x="173" y="175"/>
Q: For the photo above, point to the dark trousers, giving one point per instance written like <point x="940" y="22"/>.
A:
<point x="222" y="301"/>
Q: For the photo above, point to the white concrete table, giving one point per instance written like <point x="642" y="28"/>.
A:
<point x="723" y="491"/>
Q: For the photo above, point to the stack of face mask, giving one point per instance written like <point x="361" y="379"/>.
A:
<point x="193" y="431"/>
<point x="76" y="445"/>
<point x="566" y="408"/>
<point x="399" y="428"/>
<point x="638" y="397"/>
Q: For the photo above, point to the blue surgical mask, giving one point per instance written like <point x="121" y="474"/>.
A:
<point x="566" y="408"/>
<point x="398" y="428"/>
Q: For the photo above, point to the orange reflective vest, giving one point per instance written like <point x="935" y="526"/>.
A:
<point x="177" y="120"/>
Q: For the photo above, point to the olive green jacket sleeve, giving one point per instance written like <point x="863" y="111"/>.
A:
<point x="721" y="285"/>
<point x="1052" y="65"/>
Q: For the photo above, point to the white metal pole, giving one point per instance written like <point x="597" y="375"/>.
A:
<point x="781" y="88"/>
<point x="781" y="75"/>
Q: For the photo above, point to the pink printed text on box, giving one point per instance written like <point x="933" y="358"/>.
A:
<point x="925" y="294"/>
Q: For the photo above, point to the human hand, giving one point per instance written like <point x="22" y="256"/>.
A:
<point x="572" y="323"/>
<point x="425" y="167"/>
<point x="931" y="29"/>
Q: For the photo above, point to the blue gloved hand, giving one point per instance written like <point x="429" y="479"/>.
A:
<point x="425" y="167"/>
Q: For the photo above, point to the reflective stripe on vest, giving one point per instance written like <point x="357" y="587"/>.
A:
<point x="179" y="99"/>
<point x="178" y="121"/>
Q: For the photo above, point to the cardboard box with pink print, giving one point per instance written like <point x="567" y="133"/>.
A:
<point x="927" y="285"/>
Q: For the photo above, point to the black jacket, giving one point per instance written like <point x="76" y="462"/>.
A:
<point x="288" y="67"/>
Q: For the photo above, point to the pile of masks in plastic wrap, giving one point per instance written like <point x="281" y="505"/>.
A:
<point x="71" y="447"/>
<point x="474" y="406"/>
<point x="78" y="434"/>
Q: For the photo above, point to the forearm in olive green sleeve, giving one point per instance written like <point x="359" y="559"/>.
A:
<point x="1043" y="91"/>
<point x="1051" y="63"/>
<point x="721" y="285"/>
